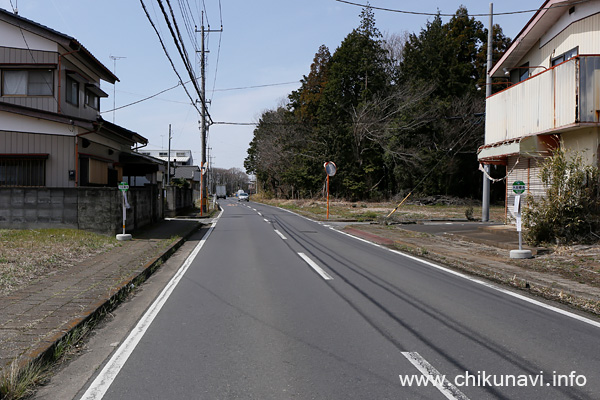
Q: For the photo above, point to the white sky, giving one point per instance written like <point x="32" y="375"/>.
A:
<point x="263" y="42"/>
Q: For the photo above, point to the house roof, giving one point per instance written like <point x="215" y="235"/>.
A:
<point x="103" y="125"/>
<point x="68" y="42"/>
<point x="530" y="35"/>
<point x="187" y="171"/>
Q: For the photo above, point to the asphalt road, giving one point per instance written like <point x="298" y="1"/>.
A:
<point x="275" y="306"/>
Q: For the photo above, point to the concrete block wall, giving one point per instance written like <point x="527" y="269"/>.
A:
<point x="93" y="209"/>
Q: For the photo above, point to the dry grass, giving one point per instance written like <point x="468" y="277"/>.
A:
<point x="367" y="211"/>
<point x="26" y="255"/>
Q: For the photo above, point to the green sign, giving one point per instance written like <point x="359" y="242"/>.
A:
<point x="519" y="187"/>
<point x="123" y="186"/>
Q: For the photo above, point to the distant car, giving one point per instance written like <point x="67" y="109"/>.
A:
<point x="243" y="197"/>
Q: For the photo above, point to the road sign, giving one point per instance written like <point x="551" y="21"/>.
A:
<point x="123" y="186"/>
<point x="330" y="168"/>
<point x="519" y="187"/>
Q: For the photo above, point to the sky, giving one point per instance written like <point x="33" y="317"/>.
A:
<point x="263" y="51"/>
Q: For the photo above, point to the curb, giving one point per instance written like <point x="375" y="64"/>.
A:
<point x="45" y="349"/>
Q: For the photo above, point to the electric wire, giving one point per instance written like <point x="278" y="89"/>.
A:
<point x="183" y="53"/>
<point x="188" y="20"/>
<point x="184" y="83"/>
<point x="168" y="56"/>
<point x="452" y="15"/>
<point x="144" y="99"/>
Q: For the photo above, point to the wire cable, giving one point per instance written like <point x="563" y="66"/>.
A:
<point x="452" y="15"/>
<point x="168" y="56"/>
<point x="183" y="54"/>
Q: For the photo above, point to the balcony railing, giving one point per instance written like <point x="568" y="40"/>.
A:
<point x="561" y="97"/>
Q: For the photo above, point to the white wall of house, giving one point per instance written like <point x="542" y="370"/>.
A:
<point x="20" y="123"/>
<point x="11" y="37"/>
<point x="571" y="31"/>
<point x="584" y="141"/>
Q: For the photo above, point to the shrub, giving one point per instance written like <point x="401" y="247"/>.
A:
<point x="570" y="210"/>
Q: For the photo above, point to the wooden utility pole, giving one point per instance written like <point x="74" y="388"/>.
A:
<point x="204" y="126"/>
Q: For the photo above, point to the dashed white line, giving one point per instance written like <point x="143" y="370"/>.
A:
<point x="280" y="234"/>
<point x="434" y="377"/>
<point x="259" y="213"/>
<point x="314" y="266"/>
<point x="266" y="220"/>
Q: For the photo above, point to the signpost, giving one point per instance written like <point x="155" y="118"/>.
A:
<point x="124" y="187"/>
<point x="519" y="188"/>
<point x="330" y="169"/>
<point x="202" y="172"/>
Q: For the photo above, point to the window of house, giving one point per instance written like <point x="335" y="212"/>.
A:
<point x="565" y="56"/>
<point x="23" y="170"/>
<point x="524" y="72"/>
<point x="163" y="154"/>
<point x="92" y="100"/>
<point x="72" y="96"/>
<point x="519" y="74"/>
<point x="180" y="154"/>
<point x="27" y="83"/>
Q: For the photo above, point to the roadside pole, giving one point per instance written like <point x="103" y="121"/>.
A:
<point x="519" y="189"/>
<point x="485" y="200"/>
<point x="124" y="187"/>
<point x="330" y="169"/>
<point x="202" y="172"/>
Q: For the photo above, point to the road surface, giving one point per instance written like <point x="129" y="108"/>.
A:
<point x="275" y="306"/>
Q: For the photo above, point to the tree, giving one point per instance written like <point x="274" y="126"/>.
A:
<point x="570" y="210"/>
<point x="358" y="72"/>
<point x="304" y="102"/>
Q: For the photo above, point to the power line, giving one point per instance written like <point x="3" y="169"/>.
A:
<point x="144" y="99"/>
<point x="184" y="83"/>
<point x="452" y="15"/>
<point x="168" y="56"/>
<point x="257" y="86"/>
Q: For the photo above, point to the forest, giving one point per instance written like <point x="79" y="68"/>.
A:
<point x="396" y="113"/>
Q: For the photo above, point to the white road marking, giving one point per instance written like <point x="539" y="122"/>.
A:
<point x="467" y="277"/>
<point x="314" y="266"/>
<point x="446" y="388"/>
<point x="486" y="284"/>
<point x="259" y="214"/>
<point x="280" y="234"/>
<point x="266" y="220"/>
<point x="98" y="388"/>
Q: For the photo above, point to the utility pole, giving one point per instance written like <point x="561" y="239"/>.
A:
<point x="169" y="159"/>
<point x="204" y="127"/>
<point x="115" y="58"/>
<point x="485" y="200"/>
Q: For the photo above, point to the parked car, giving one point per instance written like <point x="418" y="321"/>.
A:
<point x="243" y="197"/>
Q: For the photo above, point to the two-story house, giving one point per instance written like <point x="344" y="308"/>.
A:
<point x="553" y="94"/>
<point x="52" y="137"/>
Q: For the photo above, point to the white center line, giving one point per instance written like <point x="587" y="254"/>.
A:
<point x="266" y="220"/>
<point x="280" y="234"/>
<point x="434" y="377"/>
<point x="259" y="214"/>
<point x="314" y="266"/>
